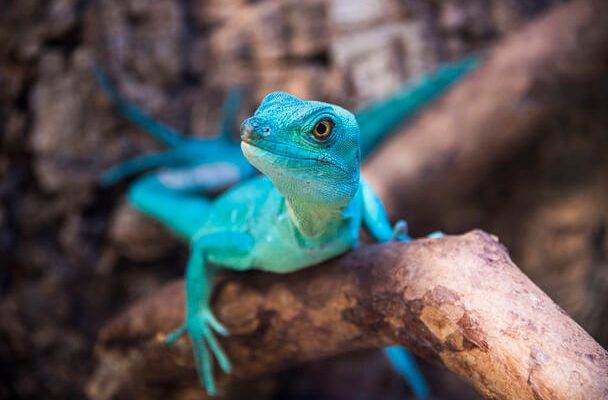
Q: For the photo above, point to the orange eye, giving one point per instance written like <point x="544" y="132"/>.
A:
<point x="322" y="129"/>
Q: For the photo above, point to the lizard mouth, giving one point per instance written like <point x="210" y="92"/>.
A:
<point x="281" y="155"/>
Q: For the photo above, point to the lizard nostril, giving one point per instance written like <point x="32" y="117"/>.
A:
<point x="246" y="130"/>
<point x="251" y="129"/>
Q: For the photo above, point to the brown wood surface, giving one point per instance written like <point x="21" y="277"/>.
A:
<point x="458" y="300"/>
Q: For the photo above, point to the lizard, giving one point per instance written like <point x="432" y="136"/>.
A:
<point x="195" y="166"/>
<point x="308" y="205"/>
<point x="199" y="165"/>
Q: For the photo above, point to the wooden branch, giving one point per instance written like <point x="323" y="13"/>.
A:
<point x="545" y="69"/>
<point x="458" y="300"/>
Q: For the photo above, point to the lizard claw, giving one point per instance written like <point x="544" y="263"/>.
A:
<point x="215" y="324"/>
<point x="176" y="334"/>
<point x="400" y="232"/>
<point x="435" y="235"/>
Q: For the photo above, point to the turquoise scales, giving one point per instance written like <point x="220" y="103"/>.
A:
<point x="192" y="166"/>
<point x="309" y="206"/>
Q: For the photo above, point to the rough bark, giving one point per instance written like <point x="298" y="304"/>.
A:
<point x="458" y="300"/>
<point x="526" y="81"/>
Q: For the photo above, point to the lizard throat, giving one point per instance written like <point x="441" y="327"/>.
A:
<point x="315" y="193"/>
<point x="314" y="221"/>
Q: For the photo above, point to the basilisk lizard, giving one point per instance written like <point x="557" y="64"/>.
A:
<point x="308" y="208"/>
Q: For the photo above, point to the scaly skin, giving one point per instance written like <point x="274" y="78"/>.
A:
<point x="308" y="207"/>
<point x="304" y="224"/>
<point x="193" y="167"/>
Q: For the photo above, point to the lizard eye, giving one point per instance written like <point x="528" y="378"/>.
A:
<point x="322" y="129"/>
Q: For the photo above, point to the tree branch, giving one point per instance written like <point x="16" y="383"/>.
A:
<point x="458" y="300"/>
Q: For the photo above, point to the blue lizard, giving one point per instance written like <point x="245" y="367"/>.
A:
<point x="307" y="207"/>
<point x="195" y="166"/>
<point x="199" y="166"/>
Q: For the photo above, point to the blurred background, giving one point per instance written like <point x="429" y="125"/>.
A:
<point x="73" y="255"/>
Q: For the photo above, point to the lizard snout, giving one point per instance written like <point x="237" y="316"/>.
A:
<point x="252" y="130"/>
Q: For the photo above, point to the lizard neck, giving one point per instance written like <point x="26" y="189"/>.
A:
<point x="320" y="215"/>
<point x="314" y="220"/>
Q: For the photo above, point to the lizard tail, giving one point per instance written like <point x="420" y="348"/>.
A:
<point x="135" y="114"/>
<point x="405" y="364"/>
<point x="229" y="112"/>
<point x="379" y="119"/>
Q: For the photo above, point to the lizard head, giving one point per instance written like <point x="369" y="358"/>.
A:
<point x="309" y="149"/>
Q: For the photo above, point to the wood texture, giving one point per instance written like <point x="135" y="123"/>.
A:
<point x="458" y="300"/>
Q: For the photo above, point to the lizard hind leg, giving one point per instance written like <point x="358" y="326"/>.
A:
<point x="135" y="114"/>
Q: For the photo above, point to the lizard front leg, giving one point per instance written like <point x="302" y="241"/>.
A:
<point x="200" y="322"/>
<point x="376" y="220"/>
<point x="378" y="225"/>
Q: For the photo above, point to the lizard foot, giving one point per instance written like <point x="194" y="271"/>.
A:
<point x="205" y="345"/>
<point x="200" y="327"/>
